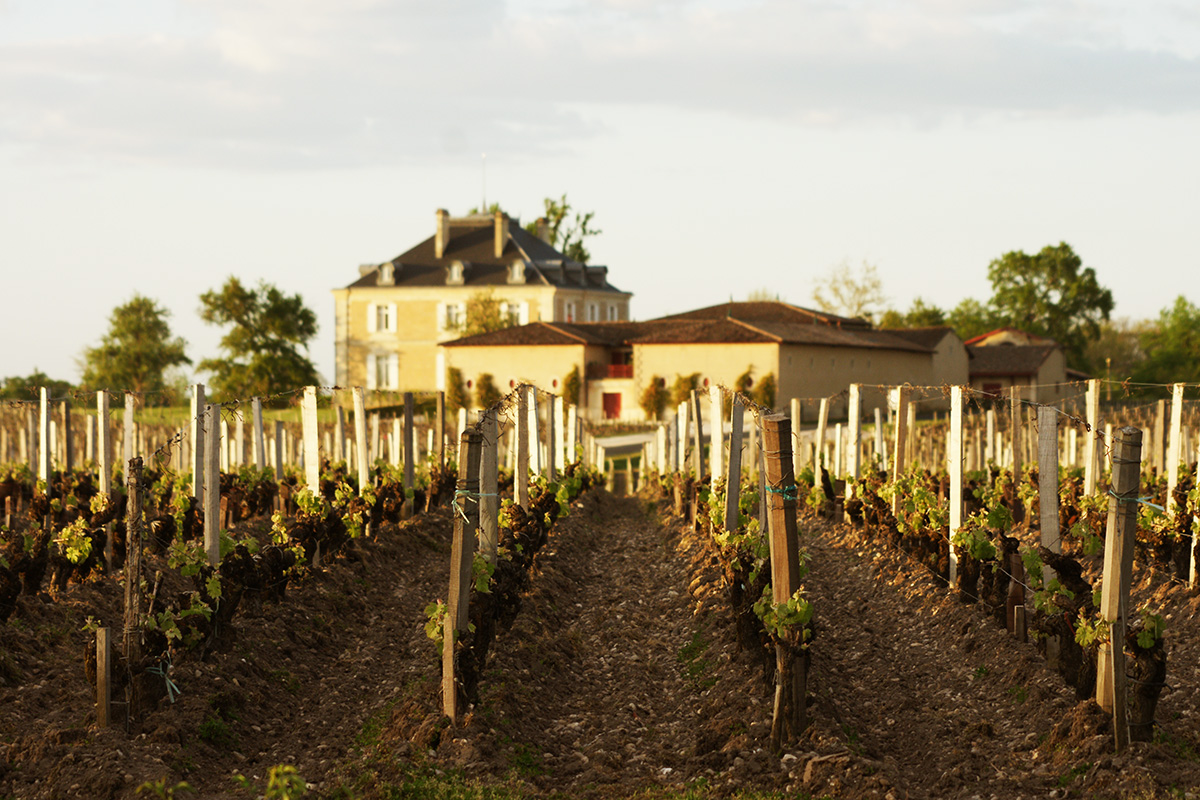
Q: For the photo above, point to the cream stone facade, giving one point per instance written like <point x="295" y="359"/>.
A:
<point x="390" y="322"/>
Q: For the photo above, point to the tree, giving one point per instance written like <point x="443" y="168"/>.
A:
<point x="850" y="294"/>
<point x="567" y="237"/>
<point x="485" y="313"/>
<point x="486" y="393"/>
<point x="763" y="392"/>
<point x="1050" y="294"/>
<point x="764" y="295"/>
<point x="262" y="347"/>
<point x="654" y="398"/>
<point x="745" y="381"/>
<point x="136" y="352"/>
<point x="919" y="315"/>
<point x="1172" y="346"/>
<point x="970" y="318"/>
<point x="15" y="387"/>
<point x="456" y="390"/>
<point x="1117" y="352"/>
<point x="683" y="387"/>
<point x="572" y="386"/>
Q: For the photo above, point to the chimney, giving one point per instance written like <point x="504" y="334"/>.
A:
<point x="543" y="230"/>
<point x="501" y="227"/>
<point x="441" y="237"/>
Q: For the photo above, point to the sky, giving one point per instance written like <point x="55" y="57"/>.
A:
<point x="726" y="146"/>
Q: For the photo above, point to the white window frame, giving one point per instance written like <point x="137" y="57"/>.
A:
<point x="381" y="312"/>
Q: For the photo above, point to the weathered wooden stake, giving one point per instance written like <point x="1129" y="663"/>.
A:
<point x="212" y="483"/>
<point x="197" y="424"/>
<point x="1047" y="421"/>
<point x="360" y="438"/>
<point x="260" y="443"/>
<point x="716" y="447"/>
<point x="1175" y="447"/>
<point x="132" y="640"/>
<point x="698" y="443"/>
<point x="521" y="478"/>
<point x="489" y="486"/>
<point x="441" y="427"/>
<point x="312" y="444"/>
<point x="103" y="678"/>
<point x="901" y="448"/>
<point x="1118" y="568"/>
<point x="797" y="450"/>
<point x="954" y="456"/>
<point x="733" y="481"/>
<point x="462" y="554"/>
<point x="1090" y="452"/>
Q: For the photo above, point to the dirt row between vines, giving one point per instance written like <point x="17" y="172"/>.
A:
<point x="620" y="676"/>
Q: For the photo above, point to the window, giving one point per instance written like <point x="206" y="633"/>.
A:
<point x="381" y="318"/>
<point x="591" y="312"/>
<point x="569" y="311"/>
<point x="455" y="316"/>
<point x="612" y="313"/>
<point x="513" y="311"/>
<point x="387" y="275"/>
<point x="383" y="371"/>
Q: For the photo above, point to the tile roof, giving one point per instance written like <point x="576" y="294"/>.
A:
<point x="770" y="311"/>
<point x="474" y="246"/>
<point x="1008" y="359"/>
<point x="929" y="337"/>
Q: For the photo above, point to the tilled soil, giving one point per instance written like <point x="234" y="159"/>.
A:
<point x="621" y="676"/>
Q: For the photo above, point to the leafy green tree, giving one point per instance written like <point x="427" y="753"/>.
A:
<point x="567" y="234"/>
<point x="15" y="387"/>
<point x="970" y="318"/>
<point x="572" y="386"/>
<point x="763" y="392"/>
<point x="262" y="348"/>
<point x="456" y="390"/>
<point x="485" y="313"/>
<point x="1172" y="346"/>
<point x="683" y="387"/>
<point x="136" y="352"/>
<point x="1117" y="352"/>
<point x="654" y="398"/>
<point x="849" y="292"/>
<point x="919" y="315"/>
<point x="1050" y="294"/>
<point x="486" y="393"/>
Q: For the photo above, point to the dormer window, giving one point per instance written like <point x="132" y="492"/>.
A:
<point x="516" y="272"/>
<point x="455" y="276"/>
<point x="387" y="274"/>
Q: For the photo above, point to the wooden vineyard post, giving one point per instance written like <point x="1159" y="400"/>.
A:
<point x="716" y="447"/>
<point x="360" y="438"/>
<point x="197" y="464"/>
<point x="853" y="468"/>
<point x="534" y="447"/>
<point x="132" y="640"/>
<point x="1014" y="417"/>
<point x="258" y="440"/>
<point x="521" y="478"/>
<point x="681" y="436"/>
<point x="797" y="450"/>
<point x="239" y="441"/>
<point x="733" y="481"/>
<point x="551" y="440"/>
<point x="1160" y="433"/>
<point x="819" y="465"/>
<point x="312" y="445"/>
<point x="791" y="676"/>
<point x="989" y="445"/>
<point x="410" y="445"/>
<point x="1047" y="421"/>
<point x="901" y="448"/>
<point x="441" y="429"/>
<point x="466" y="522"/>
<point x="1090" y="451"/>
<point x="212" y="483"/>
<point x="278" y="442"/>
<point x="68" y="442"/>
<point x="1118" y="568"/>
<point x="878" y="438"/>
<point x="103" y="678"/>
<point x="1175" y="446"/>
<point x="339" y="434"/>
<point x="375" y="451"/>
<point x="572" y="435"/>
<point x="660" y="449"/>
<point x="45" y="453"/>
<point x="698" y="446"/>
<point x="559" y="441"/>
<point x="954" y="457"/>
<point x="104" y="460"/>
<point x="489" y="485"/>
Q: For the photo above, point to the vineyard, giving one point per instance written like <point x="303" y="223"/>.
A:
<point x="769" y="610"/>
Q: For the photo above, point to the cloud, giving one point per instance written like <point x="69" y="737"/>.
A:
<point x="309" y="84"/>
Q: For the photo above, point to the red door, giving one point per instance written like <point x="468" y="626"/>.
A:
<point x="612" y="405"/>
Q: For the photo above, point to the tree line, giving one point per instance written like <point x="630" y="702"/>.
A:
<point x="264" y="349"/>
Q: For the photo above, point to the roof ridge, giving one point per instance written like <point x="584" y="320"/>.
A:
<point x="776" y="337"/>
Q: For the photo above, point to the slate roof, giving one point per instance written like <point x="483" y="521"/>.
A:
<point x="1008" y="360"/>
<point x="474" y="246"/>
